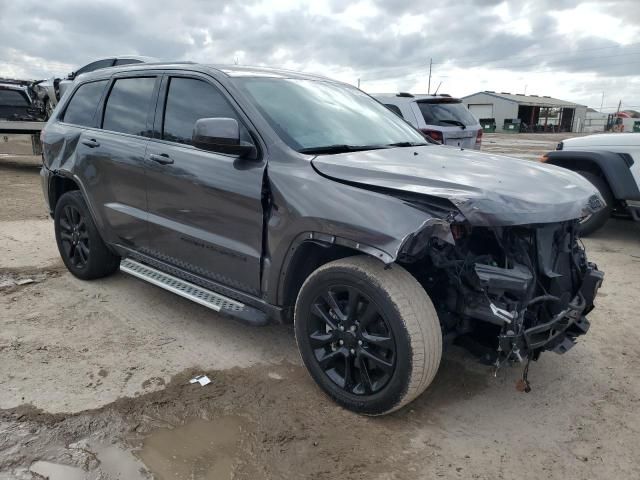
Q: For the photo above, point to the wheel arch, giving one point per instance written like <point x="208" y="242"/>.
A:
<point x="59" y="185"/>
<point x="613" y="167"/>
<point x="310" y="251"/>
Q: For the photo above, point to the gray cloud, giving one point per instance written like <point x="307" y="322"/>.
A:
<point x="462" y="34"/>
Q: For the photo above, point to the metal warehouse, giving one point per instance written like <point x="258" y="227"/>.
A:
<point x="528" y="113"/>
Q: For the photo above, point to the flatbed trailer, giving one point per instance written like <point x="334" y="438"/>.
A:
<point x="11" y="127"/>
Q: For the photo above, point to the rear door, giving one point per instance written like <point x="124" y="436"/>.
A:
<point x="112" y="158"/>
<point x="205" y="208"/>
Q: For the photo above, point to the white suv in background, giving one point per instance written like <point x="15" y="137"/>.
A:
<point x="441" y="117"/>
<point x="611" y="162"/>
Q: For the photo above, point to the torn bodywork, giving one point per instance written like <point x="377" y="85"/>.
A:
<point x="531" y="285"/>
<point x="500" y="260"/>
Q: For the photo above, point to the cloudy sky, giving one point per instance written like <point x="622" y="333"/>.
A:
<point x="571" y="49"/>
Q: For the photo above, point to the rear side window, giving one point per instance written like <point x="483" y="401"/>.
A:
<point x="84" y="103"/>
<point x="12" y="98"/>
<point x="446" y="114"/>
<point x="128" y="105"/>
<point x="394" y="108"/>
<point x="188" y="100"/>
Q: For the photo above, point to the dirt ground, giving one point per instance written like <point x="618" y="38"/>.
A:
<point x="94" y="381"/>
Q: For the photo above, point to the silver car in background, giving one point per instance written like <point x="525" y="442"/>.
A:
<point x="441" y="117"/>
<point x="51" y="90"/>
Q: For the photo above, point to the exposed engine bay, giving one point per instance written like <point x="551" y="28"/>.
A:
<point x="530" y="286"/>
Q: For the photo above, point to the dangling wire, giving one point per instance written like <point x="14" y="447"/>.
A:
<point x="525" y="376"/>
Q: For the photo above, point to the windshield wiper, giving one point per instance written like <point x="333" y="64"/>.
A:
<point x="329" y="149"/>
<point x="455" y="122"/>
<point x="407" y="144"/>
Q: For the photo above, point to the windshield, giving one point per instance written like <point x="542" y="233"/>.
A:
<point x="313" y="115"/>
<point x="446" y="114"/>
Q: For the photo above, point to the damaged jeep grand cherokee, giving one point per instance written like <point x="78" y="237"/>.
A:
<point x="274" y="196"/>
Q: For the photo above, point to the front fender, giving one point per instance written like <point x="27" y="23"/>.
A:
<point x="613" y="166"/>
<point x="305" y="206"/>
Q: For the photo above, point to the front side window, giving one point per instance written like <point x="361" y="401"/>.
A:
<point x="311" y="114"/>
<point x="128" y="105"/>
<point x="189" y="99"/>
<point x="13" y="98"/>
<point x="84" y="103"/>
<point x="446" y="114"/>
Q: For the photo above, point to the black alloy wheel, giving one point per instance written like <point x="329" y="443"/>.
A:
<point x="81" y="247"/>
<point x="74" y="236"/>
<point x="367" y="333"/>
<point x="352" y="342"/>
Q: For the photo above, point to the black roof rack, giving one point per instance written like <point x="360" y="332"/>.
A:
<point x="404" y="94"/>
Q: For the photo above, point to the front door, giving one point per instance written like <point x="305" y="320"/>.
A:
<point x="205" y="209"/>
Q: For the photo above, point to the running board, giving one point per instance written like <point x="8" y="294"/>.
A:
<point x="195" y="293"/>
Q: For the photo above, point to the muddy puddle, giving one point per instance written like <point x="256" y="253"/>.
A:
<point x="259" y="422"/>
<point x="200" y="449"/>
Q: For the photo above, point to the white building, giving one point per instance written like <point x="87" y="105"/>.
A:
<point x="595" y="121"/>
<point x="536" y="112"/>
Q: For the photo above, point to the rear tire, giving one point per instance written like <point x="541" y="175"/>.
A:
<point x="368" y="334"/>
<point x="82" y="250"/>
<point x="597" y="220"/>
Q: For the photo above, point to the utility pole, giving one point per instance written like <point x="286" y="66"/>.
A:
<point x="429" y="86"/>
<point x="619" y="106"/>
<point x="358" y="83"/>
<point x="602" y="102"/>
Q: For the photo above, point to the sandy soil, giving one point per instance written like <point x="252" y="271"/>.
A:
<point x="94" y="383"/>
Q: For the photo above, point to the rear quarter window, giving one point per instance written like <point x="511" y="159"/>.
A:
<point x="394" y="108"/>
<point x="82" y="106"/>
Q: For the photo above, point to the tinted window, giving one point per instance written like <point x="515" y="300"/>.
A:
<point x="128" y="105"/>
<point x="188" y="100"/>
<point x="96" y="65"/>
<point x="12" y="98"/>
<point x="83" y="104"/>
<point x="127" y="61"/>
<point x="394" y="108"/>
<point x="446" y="114"/>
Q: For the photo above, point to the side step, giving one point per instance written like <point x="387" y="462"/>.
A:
<point x="195" y="293"/>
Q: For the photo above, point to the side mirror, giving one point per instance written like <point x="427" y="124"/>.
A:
<point x="221" y="135"/>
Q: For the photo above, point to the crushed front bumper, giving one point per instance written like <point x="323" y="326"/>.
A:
<point x="559" y="334"/>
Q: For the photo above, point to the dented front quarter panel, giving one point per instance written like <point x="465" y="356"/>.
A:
<point x="306" y="206"/>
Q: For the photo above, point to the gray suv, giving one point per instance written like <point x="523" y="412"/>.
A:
<point x="274" y="196"/>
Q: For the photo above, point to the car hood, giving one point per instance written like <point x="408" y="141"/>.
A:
<point x="489" y="190"/>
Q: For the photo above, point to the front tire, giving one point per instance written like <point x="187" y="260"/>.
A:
<point x="595" y="221"/>
<point x="368" y="334"/>
<point x="82" y="250"/>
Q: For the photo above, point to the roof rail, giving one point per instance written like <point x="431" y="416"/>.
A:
<point x="404" y="94"/>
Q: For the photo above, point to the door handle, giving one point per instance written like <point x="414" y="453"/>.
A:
<point x="91" y="143"/>
<point x="162" y="159"/>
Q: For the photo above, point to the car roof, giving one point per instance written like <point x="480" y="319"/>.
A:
<point x="220" y="70"/>
<point x="403" y="97"/>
